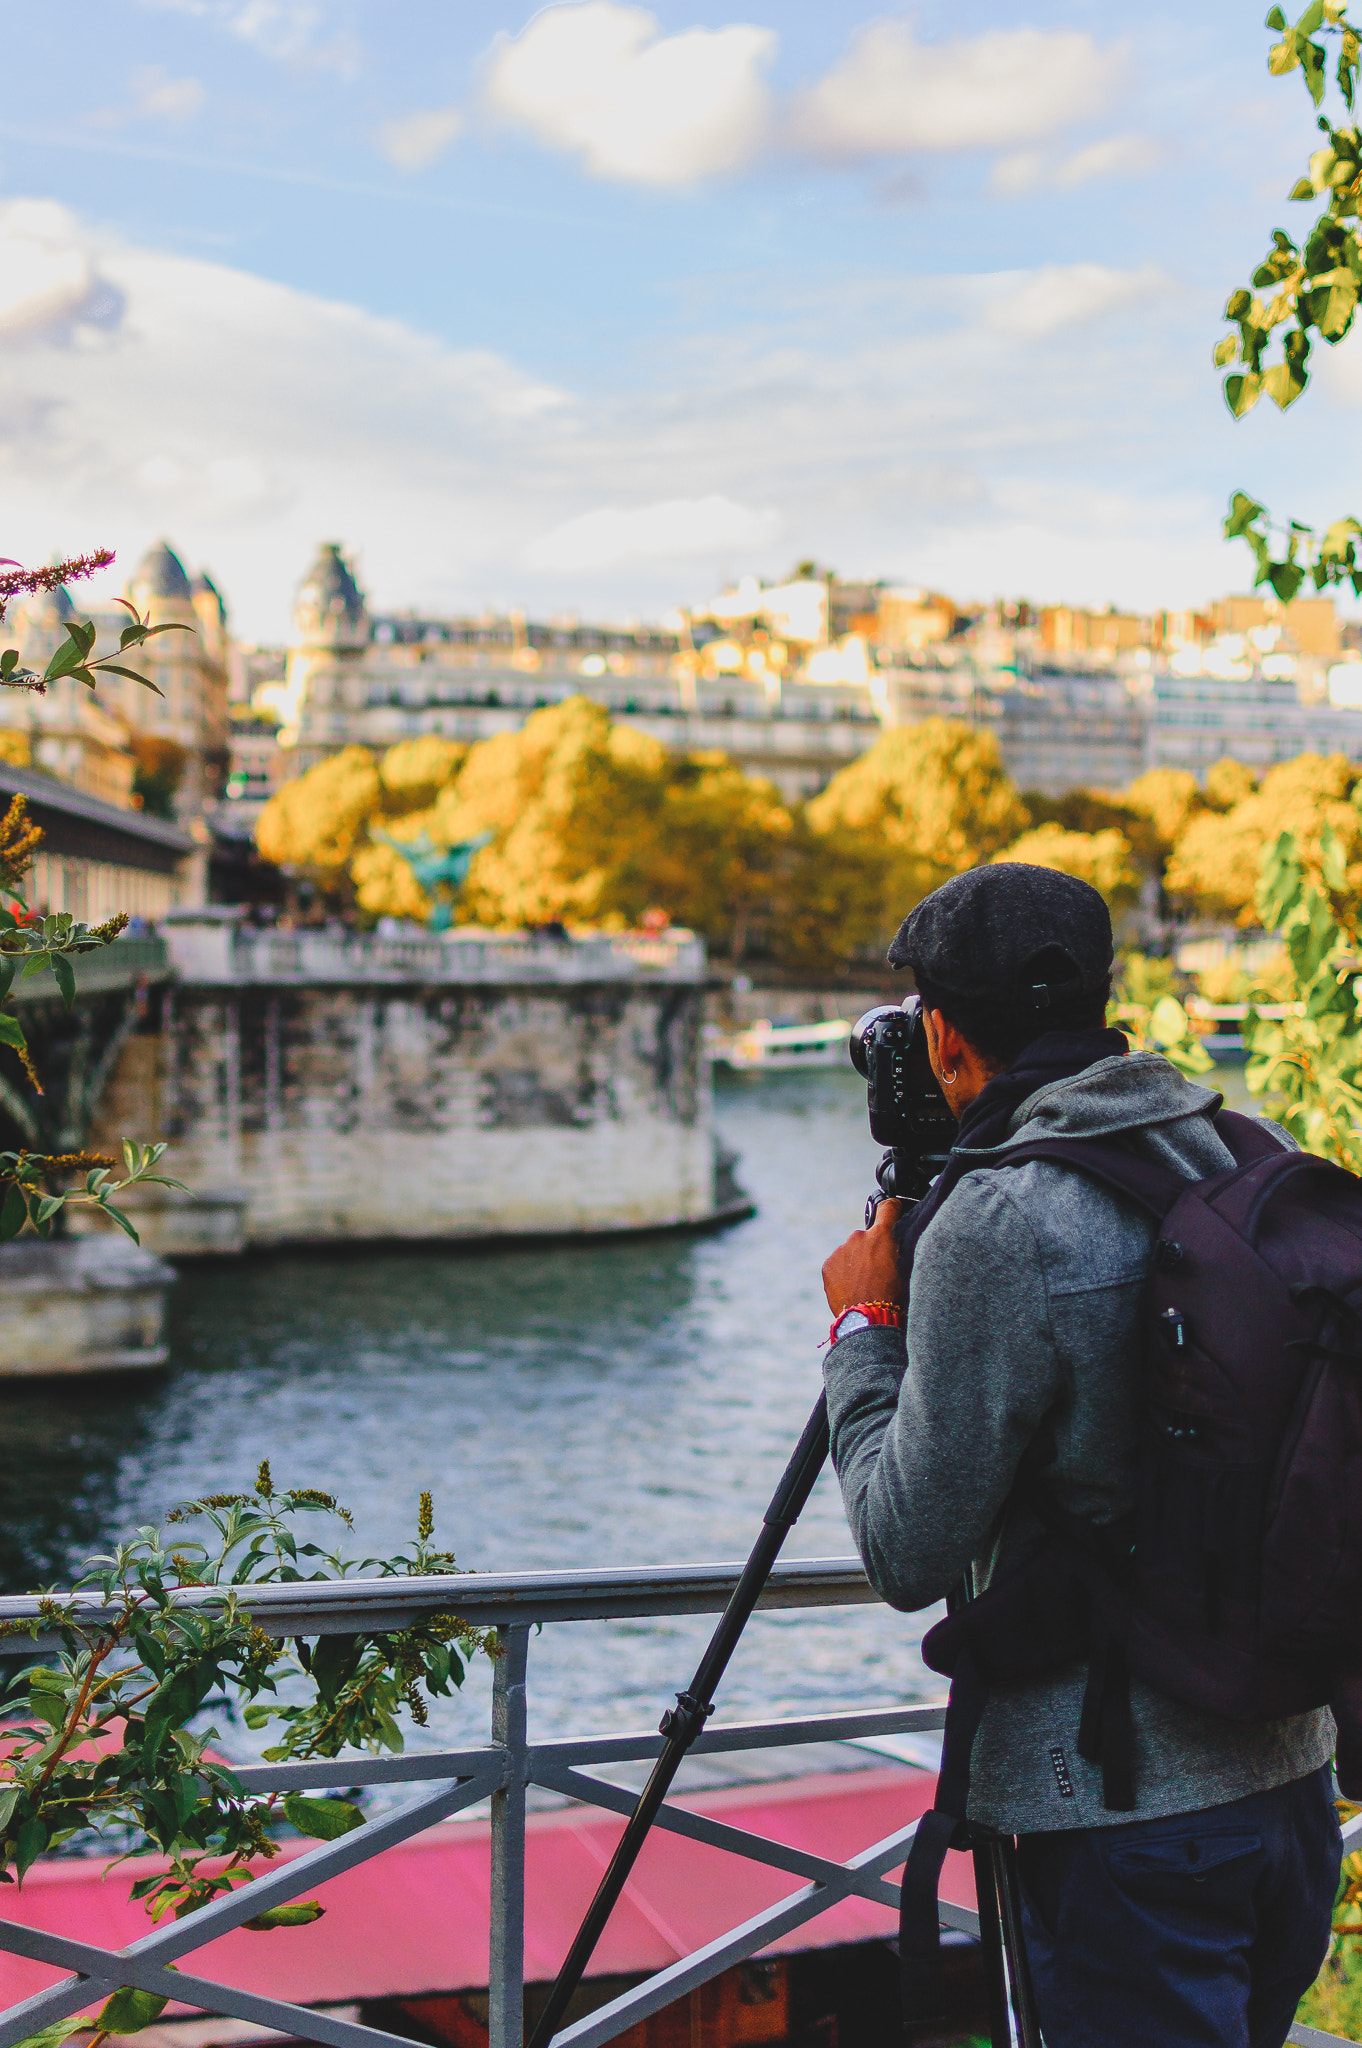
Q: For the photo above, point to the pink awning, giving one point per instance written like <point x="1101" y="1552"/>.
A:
<point x="414" y="1920"/>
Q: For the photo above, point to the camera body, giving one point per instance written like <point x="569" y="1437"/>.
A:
<point x="908" y="1111"/>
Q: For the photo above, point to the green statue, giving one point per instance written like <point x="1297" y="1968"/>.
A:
<point x="439" y="871"/>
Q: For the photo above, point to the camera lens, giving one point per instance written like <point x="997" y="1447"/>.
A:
<point x="861" y="1031"/>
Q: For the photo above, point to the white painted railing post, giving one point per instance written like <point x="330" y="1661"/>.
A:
<point x="506" y="1958"/>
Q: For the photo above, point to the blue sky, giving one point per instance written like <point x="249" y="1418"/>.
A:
<point x="588" y="308"/>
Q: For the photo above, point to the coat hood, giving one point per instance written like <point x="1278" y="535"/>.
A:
<point x="1140" y="1092"/>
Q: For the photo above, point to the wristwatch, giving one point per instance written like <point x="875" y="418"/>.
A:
<point x="851" y="1319"/>
<point x="866" y="1315"/>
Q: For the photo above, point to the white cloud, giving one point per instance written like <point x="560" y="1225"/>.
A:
<point x="412" y="141"/>
<point x="1116" y="156"/>
<point x="668" y="532"/>
<point x="289" y="31"/>
<point x="163" y="98"/>
<point x="978" y="434"/>
<point x="1062" y="295"/>
<point x="600" y="82"/>
<point x="891" y="94"/>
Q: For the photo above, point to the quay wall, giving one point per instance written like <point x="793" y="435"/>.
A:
<point x="338" y="1088"/>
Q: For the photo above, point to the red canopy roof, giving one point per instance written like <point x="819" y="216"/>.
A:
<point x="414" y="1921"/>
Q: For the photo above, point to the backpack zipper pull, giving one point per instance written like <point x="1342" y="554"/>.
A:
<point x="1174" y="1328"/>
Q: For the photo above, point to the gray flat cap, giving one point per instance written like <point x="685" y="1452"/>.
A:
<point x="978" y="934"/>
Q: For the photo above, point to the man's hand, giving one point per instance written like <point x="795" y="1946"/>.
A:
<point x="866" y="1267"/>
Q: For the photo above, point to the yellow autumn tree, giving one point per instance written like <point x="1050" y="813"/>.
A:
<point x="412" y="776"/>
<point x="1169" y="798"/>
<point x="934" y="797"/>
<point x="1103" y="858"/>
<point x="719" y="852"/>
<point x="1217" y="860"/>
<point x="571" y="802"/>
<point x="315" y="823"/>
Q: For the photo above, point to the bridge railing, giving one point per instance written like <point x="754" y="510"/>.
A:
<point x="500" y="1770"/>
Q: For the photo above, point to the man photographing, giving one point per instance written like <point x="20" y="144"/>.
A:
<point x="1191" y="1907"/>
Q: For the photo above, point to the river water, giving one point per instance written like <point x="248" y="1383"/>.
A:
<point x="609" y="1404"/>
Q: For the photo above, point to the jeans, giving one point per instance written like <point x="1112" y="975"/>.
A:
<point x="1197" y="1931"/>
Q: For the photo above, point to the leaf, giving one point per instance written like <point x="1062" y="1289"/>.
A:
<point x="1302" y="189"/>
<point x="48" y="1207"/>
<point x="29" y="1844"/>
<point x="1286" y="579"/>
<point x="296" y="1915"/>
<point x="1276" y="19"/>
<point x="35" y="964"/>
<point x="1226" y="350"/>
<point x="66" y="978"/>
<point x="1283" y="384"/>
<point x="1242" y="513"/>
<point x="128" y="2010"/>
<point x="1241" y="393"/>
<point x="9" y="1799"/>
<point x="121" y="1220"/>
<point x="12" y="1033"/>
<point x="59" y="2031"/>
<point x="175" y="1699"/>
<point x="111" y="668"/>
<point x="14" y="1213"/>
<point x="323" y="1818"/>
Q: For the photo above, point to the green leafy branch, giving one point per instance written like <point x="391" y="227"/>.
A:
<point x="1315" y="285"/>
<point x="28" y="1201"/>
<point x="1296" y="551"/>
<point x="1298" y="293"/>
<point x="110" y="1737"/>
<point x="1311" y="1057"/>
<point x="73" y="656"/>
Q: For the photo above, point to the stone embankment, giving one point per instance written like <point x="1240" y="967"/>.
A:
<point x="323" y="1087"/>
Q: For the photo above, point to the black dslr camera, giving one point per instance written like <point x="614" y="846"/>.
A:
<point x="908" y="1112"/>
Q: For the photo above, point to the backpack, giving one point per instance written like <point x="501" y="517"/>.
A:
<point x="1236" y="1584"/>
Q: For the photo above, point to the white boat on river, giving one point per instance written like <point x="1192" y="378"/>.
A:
<point x="765" y="1047"/>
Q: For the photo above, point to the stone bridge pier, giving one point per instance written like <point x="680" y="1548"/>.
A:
<point x="320" y="1087"/>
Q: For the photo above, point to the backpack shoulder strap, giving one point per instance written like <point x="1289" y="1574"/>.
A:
<point x="1154" y="1188"/>
<point x="1246" y="1138"/>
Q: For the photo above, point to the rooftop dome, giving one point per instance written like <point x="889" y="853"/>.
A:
<point x="161" y="572"/>
<point x="330" y="584"/>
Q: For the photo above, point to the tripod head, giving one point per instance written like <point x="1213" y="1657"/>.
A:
<point x="908" y="1111"/>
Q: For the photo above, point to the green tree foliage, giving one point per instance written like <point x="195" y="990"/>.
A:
<point x="1300" y="292"/>
<point x="30" y="945"/>
<point x="1217" y="859"/>
<point x="109" y="1733"/>
<point x="1310" y="1059"/>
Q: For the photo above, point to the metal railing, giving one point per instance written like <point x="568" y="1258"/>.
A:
<point x="502" y="1770"/>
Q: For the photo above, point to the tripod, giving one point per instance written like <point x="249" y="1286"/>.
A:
<point x="995" y="1871"/>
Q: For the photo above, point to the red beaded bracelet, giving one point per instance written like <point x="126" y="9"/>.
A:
<point x="884" y="1314"/>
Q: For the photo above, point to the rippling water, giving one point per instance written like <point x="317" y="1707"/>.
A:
<point x="629" y="1403"/>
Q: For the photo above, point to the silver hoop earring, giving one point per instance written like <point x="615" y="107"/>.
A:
<point x="950" y="1079"/>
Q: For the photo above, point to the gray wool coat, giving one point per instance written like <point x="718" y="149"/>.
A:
<point x="1023" y="1314"/>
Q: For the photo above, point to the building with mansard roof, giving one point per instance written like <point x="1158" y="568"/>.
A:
<point x="357" y="676"/>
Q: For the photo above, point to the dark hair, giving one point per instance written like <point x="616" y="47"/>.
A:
<point x="1002" y="1031"/>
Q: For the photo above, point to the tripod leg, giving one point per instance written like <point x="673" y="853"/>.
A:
<point x="1018" y="1968"/>
<point x="693" y="1707"/>
<point x="991" y="1942"/>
